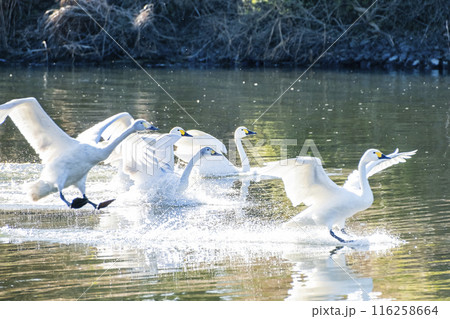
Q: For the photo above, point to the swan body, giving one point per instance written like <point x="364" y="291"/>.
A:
<point x="167" y="182"/>
<point x="330" y="205"/>
<point x="220" y="166"/>
<point x="66" y="160"/>
<point x="163" y="145"/>
<point x="204" y="154"/>
<point x="145" y="156"/>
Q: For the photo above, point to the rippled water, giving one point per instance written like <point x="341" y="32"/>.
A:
<point x="222" y="240"/>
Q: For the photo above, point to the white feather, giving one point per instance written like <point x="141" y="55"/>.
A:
<point x="186" y="148"/>
<point x="116" y="123"/>
<point x="330" y="205"/>
<point x="377" y="166"/>
<point x="147" y="154"/>
<point x="216" y="166"/>
<point x="46" y="138"/>
<point x="67" y="160"/>
<point x="304" y="179"/>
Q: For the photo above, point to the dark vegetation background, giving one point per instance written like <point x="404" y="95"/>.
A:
<point x="394" y="33"/>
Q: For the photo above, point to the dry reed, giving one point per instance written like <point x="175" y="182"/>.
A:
<point x="226" y="32"/>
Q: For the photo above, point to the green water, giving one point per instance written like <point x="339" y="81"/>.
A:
<point x="230" y="247"/>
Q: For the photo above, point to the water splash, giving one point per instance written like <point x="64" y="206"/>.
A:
<point x="151" y="233"/>
<point x="210" y="213"/>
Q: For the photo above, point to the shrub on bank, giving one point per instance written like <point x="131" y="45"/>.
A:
<point x="227" y="32"/>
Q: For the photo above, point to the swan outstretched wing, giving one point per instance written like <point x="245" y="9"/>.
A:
<point x="139" y="156"/>
<point x="145" y="153"/>
<point x="117" y="125"/>
<point x="111" y="127"/>
<point x="395" y="158"/>
<point x="160" y="146"/>
<point x="186" y="148"/>
<point x="47" y="138"/>
<point x="305" y="180"/>
<point x="377" y="166"/>
<point x="161" y="141"/>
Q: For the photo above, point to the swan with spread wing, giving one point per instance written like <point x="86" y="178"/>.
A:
<point x="220" y="166"/>
<point x="66" y="160"/>
<point x="147" y="161"/>
<point x="144" y="152"/>
<point x="305" y="181"/>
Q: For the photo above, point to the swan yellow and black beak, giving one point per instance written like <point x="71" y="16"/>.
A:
<point x="382" y="156"/>
<point x="214" y="153"/>
<point x="184" y="133"/>
<point x="149" y="126"/>
<point x="248" y="132"/>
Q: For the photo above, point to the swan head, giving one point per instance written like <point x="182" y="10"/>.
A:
<point x="205" y="152"/>
<point x="143" y="125"/>
<point x="373" y="155"/>
<point x="208" y="151"/>
<point x="180" y="131"/>
<point x="242" y="132"/>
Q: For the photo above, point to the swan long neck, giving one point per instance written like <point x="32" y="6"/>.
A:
<point x="363" y="181"/>
<point x="184" y="179"/>
<point x="112" y="145"/>
<point x="243" y="156"/>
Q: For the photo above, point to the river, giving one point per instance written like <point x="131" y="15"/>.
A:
<point x="223" y="239"/>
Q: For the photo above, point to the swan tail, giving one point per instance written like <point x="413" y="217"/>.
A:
<point x="40" y="189"/>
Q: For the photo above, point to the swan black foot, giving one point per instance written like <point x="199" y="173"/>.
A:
<point x="79" y="202"/>
<point x="104" y="204"/>
<point x="64" y="199"/>
<point x="339" y="238"/>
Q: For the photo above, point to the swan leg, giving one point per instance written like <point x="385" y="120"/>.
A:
<point x="64" y="199"/>
<point x="339" y="238"/>
<point x="88" y="201"/>
<point x="101" y="205"/>
<point x="80" y="202"/>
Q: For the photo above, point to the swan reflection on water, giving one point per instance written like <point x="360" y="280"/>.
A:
<point x="155" y="243"/>
<point x="200" y="229"/>
<point x="325" y="275"/>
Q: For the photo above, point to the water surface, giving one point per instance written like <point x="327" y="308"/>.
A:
<point x="222" y="240"/>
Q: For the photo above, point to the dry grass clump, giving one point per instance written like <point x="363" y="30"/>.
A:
<point x="75" y="31"/>
<point x="226" y="31"/>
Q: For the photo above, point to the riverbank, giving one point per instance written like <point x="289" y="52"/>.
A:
<point x="393" y="35"/>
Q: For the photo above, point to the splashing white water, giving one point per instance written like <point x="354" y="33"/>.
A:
<point x="210" y="214"/>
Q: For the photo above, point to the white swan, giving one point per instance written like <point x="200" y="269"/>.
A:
<point x="144" y="156"/>
<point x="157" y="180"/>
<point x="67" y="160"/>
<point x="220" y="166"/>
<point x="163" y="144"/>
<point x="202" y="155"/>
<point x="330" y="205"/>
